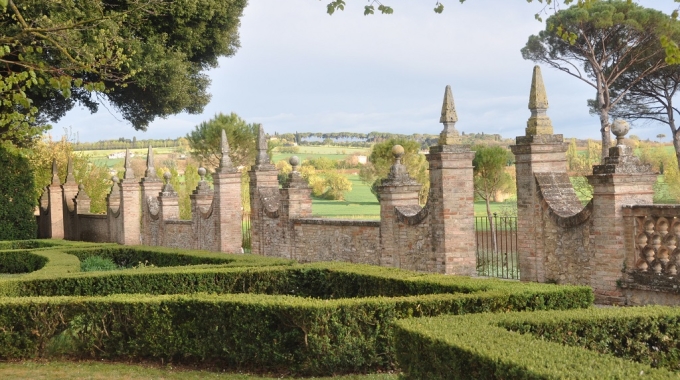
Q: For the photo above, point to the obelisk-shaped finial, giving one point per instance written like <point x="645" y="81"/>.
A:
<point x="449" y="118"/>
<point x="539" y="123"/>
<point x="129" y="173"/>
<point x="69" y="171"/>
<point x="262" y="157"/>
<point x="150" y="173"/>
<point x="225" y="162"/>
<point x="55" y="172"/>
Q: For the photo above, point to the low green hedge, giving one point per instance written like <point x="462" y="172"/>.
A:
<point x="127" y="257"/>
<point x="253" y="332"/>
<point x="20" y="261"/>
<point x="312" y="319"/>
<point x="575" y="344"/>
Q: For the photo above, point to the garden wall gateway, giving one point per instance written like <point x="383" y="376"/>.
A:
<point x="619" y="243"/>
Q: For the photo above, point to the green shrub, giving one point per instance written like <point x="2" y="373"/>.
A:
<point x="20" y="262"/>
<point x="16" y="196"/>
<point x="542" y="345"/>
<point x="97" y="263"/>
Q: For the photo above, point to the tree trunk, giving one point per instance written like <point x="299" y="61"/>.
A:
<point x="604" y="130"/>
<point x="676" y="144"/>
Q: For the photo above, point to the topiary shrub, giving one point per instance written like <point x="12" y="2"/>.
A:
<point x="16" y="196"/>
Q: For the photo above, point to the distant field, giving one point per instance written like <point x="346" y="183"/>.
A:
<point x="360" y="203"/>
<point x="314" y="152"/>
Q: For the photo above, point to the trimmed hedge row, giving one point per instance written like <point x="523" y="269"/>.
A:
<point x="253" y="332"/>
<point x="20" y="261"/>
<point x="575" y="344"/>
<point x="322" y="280"/>
<point x="312" y="319"/>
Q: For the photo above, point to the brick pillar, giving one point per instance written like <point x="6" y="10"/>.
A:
<point x="296" y="196"/>
<point x="56" y="206"/>
<point x="130" y="206"/>
<point x="539" y="151"/>
<point x="621" y="180"/>
<point x="452" y="198"/>
<point x="168" y="201"/>
<point x="227" y="182"/>
<point x="151" y="186"/>
<point x="263" y="178"/>
<point x="113" y="210"/>
<point x="452" y="212"/>
<point x="534" y="154"/>
<point x="70" y="189"/>
<point x="82" y="206"/>
<point x="296" y="202"/>
<point x="398" y="189"/>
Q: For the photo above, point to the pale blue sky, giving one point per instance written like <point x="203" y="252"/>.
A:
<point x="299" y="69"/>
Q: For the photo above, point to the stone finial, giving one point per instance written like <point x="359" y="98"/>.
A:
<point x="294" y="161"/>
<point x="449" y="117"/>
<point x="115" y="190"/>
<point x="150" y="173"/>
<point x="620" y="128"/>
<point x="295" y="179"/>
<point x="225" y="161"/>
<point x="539" y="123"/>
<point x="621" y="158"/>
<point x="69" y="171"/>
<point x="55" y="172"/>
<point x="82" y="195"/>
<point x="449" y="114"/>
<point x="398" y="175"/>
<point x="262" y="156"/>
<point x="203" y="186"/>
<point x="129" y="173"/>
<point x="168" y="190"/>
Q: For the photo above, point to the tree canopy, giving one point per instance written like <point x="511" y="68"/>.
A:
<point x="599" y="43"/>
<point x="146" y="57"/>
<point x="204" y="140"/>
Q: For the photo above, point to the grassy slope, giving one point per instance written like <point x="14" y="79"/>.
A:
<point x="96" y="370"/>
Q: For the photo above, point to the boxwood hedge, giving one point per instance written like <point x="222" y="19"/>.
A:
<point x="239" y="311"/>
<point x="595" y="343"/>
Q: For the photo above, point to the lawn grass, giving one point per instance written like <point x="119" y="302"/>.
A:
<point x="359" y="203"/>
<point x="101" y="370"/>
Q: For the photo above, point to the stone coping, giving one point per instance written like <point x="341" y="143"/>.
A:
<point x="651" y="281"/>
<point x="92" y="216"/>
<point x="338" y="222"/>
<point x="178" y="221"/>
<point x="411" y="215"/>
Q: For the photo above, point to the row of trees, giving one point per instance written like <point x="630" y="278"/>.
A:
<point x="133" y="143"/>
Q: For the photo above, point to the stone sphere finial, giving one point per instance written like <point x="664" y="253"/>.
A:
<point x="115" y="179"/>
<point x="201" y="172"/>
<point x="294" y="162"/>
<point x="81" y="187"/>
<point x="167" y="176"/>
<point x="397" y="151"/>
<point x="619" y="128"/>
